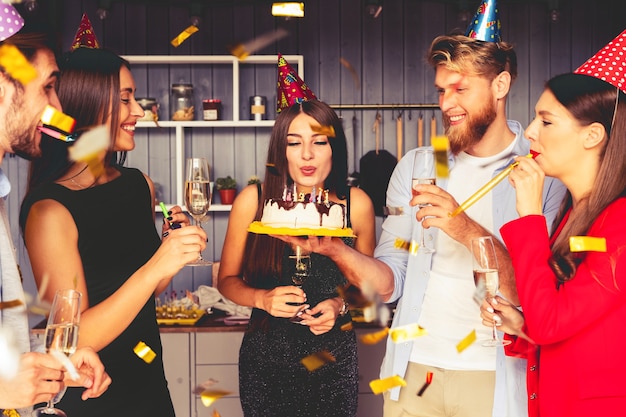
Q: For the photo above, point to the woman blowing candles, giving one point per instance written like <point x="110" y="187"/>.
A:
<point x="254" y="272"/>
<point x="97" y="234"/>
<point x="573" y="300"/>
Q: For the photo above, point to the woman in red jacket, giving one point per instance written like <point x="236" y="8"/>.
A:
<point x="573" y="296"/>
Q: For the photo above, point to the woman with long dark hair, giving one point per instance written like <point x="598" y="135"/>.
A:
<point x="256" y="271"/>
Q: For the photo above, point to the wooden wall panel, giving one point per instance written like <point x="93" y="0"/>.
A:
<point x="387" y="53"/>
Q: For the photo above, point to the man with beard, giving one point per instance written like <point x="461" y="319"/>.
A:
<point x="37" y="376"/>
<point x="435" y="290"/>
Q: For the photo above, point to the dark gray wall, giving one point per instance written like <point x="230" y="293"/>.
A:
<point x="387" y="54"/>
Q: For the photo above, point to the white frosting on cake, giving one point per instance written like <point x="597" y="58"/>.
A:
<point x="300" y="215"/>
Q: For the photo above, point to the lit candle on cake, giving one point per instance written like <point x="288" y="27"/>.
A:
<point x="312" y="197"/>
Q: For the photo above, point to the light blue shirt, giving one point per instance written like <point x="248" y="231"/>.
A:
<point x="411" y="272"/>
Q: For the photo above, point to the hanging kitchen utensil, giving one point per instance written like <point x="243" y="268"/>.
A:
<point x="376" y="168"/>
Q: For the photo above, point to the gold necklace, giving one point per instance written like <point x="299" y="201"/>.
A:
<point x="73" y="181"/>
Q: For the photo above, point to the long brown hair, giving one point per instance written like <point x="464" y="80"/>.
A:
<point x="263" y="254"/>
<point x="89" y="88"/>
<point x="590" y="100"/>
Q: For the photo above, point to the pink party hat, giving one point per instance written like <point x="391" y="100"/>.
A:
<point x="291" y="89"/>
<point x="85" y="35"/>
<point x="10" y="21"/>
<point x="485" y="26"/>
<point x="609" y="63"/>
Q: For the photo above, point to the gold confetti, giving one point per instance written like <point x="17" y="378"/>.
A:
<point x="408" y="332"/>
<point x="412" y="246"/>
<point x="89" y="147"/>
<point x="10" y="304"/>
<point x="53" y="117"/>
<point x="587" y="244"/>
<point x="466" y="342"/>
<point x="346" y="327"/>
<point x="243" y="50"/>
<point x="317" y="360"/>
<point x="441" y="145"/>
<point x="208" y="397"/>
<point x="216" y="414"/>
<point x="144" y="352"/>
<point x="182" y="36"/>
<point x="375" y="337"/>
<point x="378" y="386"/>
<point x="10" y="413"/>
<point x="353" y="73"/>
<point x="324" y="130"/>
<point x="16" y="64"/>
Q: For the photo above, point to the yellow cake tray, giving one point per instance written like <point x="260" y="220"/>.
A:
<point x="259" y="228"/>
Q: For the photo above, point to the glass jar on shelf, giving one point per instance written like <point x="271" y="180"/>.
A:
<point x="150" y="108"/>
<point x="182" y="107"/>
<point x="212" y="109"/>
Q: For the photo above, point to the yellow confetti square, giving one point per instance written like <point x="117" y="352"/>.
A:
<point x="317" y="360"/>
<point x="182" y="36"/>
<point x="587" y="244"/>
<point x="324" y="130"/>
<point x="378" y="386"/>
<point x="441" y="144"/>
<point x="16" y="64"/>
<point x="375" y="337"/>
<point x="408" y="332"/>
<point x="210" y="396"/>
<point x="346" y="327"/>
<point x="144" y="352"/>
<point x="60" y="120"/>
<point x="467" y="341"/>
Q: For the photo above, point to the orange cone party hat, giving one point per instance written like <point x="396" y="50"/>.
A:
<point x="609" y="63"/>
<point x="291" y="89"/>
<point x="85" y="35"/>
<point x="485" y="26"/>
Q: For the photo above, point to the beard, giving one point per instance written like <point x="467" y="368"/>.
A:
<point x="472" y="130"/>
<point x="20" y="134"/>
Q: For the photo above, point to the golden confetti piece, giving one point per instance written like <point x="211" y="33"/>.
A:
<point x="144" y="352"/>
<point x="324" y="130"/>
<point x="378" y="386"/>
<point x="587" y="244"/>
<point x="90" y="145"/>
<point x="53" y="117"/>
<point x="346" y="327"/>
<point x="243" y="50"/>
<point x="408" y="332"/>
<point x="216" y="414"/>
<point x="182" y="36"/>
<point x="317" y="360"/>
<point x="411" y="247"/>
<point x="10" y="413"/>
<point x="10" y="304"/>
<point x="373" y="338"/>
<point x="208" y="397"/>
<point x="441" y="144"/>
<point x="16" y="64"/>
<point x="467" y="340"/>
<point x="353" y="73"/>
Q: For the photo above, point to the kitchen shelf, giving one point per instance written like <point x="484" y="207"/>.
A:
<point x="180" y="126"/>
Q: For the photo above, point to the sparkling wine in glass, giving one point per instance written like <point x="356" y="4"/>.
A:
<point x="485" y="266"/>
<point x="61" y="335"/>
<point x="301" y="273"/>
<point x="423" y="173"/>
<point x="198" y="196"/>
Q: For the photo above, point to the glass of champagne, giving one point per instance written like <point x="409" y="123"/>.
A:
<point x="61" y="335"/>
<point x="301" y="273"/>
<point x="423" y="173"/>
<point x="198" y="196"/>
<point x="485" y="266"/>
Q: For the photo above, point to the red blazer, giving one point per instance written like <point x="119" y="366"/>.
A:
<point x="579" y="326"/>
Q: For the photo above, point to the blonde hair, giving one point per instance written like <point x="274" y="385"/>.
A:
<point x="466" y="55"/>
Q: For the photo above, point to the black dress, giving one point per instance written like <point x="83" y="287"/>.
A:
<point x="272" y="380"/>
<point x="116" y="236"/>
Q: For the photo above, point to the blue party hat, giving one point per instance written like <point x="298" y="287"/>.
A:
<point x="485" y="26"/>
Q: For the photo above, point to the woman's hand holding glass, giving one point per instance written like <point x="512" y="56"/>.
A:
<point x="322" y="317"/>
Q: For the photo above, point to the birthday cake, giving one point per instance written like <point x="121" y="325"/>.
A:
<point x="304" y="214"/>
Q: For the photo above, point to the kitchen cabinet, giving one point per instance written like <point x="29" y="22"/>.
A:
<point x="193" y="357"/>
<point x="210" y="75"/>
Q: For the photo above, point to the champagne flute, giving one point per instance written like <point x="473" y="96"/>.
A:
<point x="61" y="335"/>
<point x="423" y="173"/>
<point x="198" y="196"/>
<point x="485" y="266"/>
<point x="301" y="273"/>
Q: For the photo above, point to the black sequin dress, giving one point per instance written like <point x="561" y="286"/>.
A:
<point x="272" y="380"/>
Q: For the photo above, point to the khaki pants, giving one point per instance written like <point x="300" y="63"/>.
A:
<point x="450" y="394"/>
